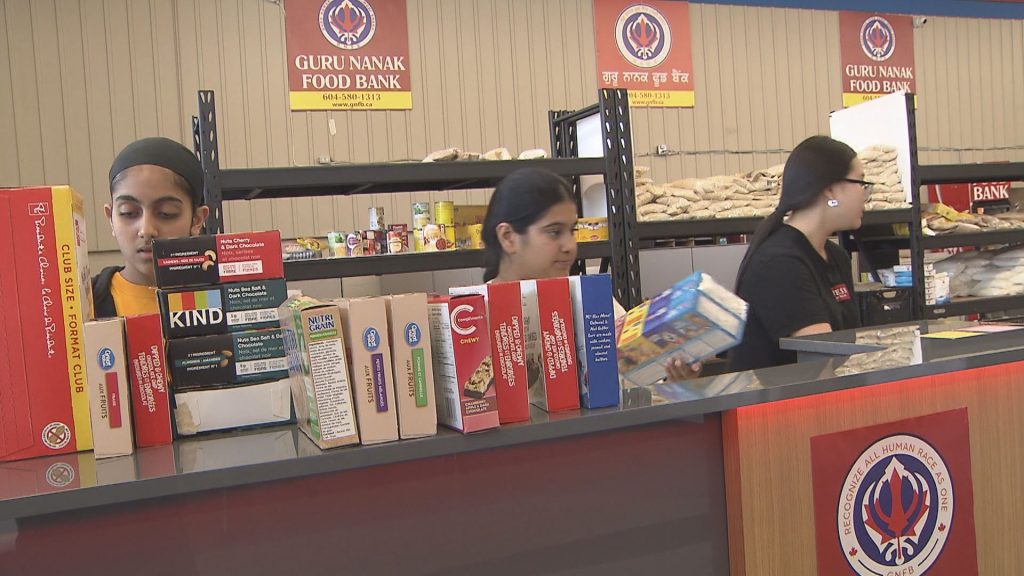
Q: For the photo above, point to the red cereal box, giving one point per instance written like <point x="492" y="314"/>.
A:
<point x="147" y="369"/>
<point x="553" y="339"/>
<point x="463" y="377"/>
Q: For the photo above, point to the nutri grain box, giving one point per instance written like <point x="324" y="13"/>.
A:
<point x="45" y="289"/>
<point x="508" y="347"/>
<point x="225" y="359"/>
<point x="463" y="376"/>
<point x="318" y="371"/>
<point x="411" y="362"/>
<point x="365" y="321"/>
<point x="108" y="388"/>
<point x="234" y="307"/>
<point x="551" y="344"/>
<point x="594" y="320"/>
<point x="147" y="372"/>
<point x="218" y="259"/>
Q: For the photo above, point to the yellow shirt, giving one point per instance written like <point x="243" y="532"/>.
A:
<point x="132" y="299"/>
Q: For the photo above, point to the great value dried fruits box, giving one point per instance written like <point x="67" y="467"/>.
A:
<point x="508" y="347"/>
<point x="365" y="321"/>
<point x="234" y="307"/>
<point x="216" y="259"/>
<point x="551" y="344"/>
<point x="45" y="289"/>
<point x="108" y="388"/>
<point x="147" y="370"/>
<point x="463" y="376"/>
<point x="318" y="371"/>
<point x="411" y="356"/>
<point x="223" y="359"/>
<point x="695" y="319"/>
<point x="594" y="320"/>
<point x="247" y="406"/>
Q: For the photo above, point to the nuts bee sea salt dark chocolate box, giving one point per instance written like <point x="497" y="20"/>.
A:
<point x="234" y="307"/>
<point x="226" y="359"/>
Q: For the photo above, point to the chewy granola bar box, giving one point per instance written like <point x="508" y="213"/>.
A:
<point x="234" y="307"/>
<point x="318" y="371"/>
<point x="463" y="376"/>
<point x="365" y="322"/>
<point x="218" y="258"/>
<point x="46" y="292"/>
<point x="411" y="356"/>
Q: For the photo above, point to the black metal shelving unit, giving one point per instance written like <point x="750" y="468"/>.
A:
<point x="381" y="178"/>
<point x="732" y="226"/>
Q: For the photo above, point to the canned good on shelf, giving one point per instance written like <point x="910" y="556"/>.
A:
<point x="444" y="213"/>
<point x="376" y="217"/>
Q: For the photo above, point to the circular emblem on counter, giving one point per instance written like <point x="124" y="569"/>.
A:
<point x="896" y="507"/>
<point x="643" y="36"/>
<point x="877" y="38"/>
<point x="56" y="435"/>
<point x="60" y="475"/>
<point x="348" y="24"/>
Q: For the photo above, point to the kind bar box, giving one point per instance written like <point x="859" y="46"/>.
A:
<point x="46" y="295"/>
<point x="411" y="361"/>
<point x="248" y="406"/>
<point x="225" y="359"/>
<point x="463" y="377"/>
<point x="365" y="322"/>
<point x="508" y="347"/>
<point x="217" y="259"/>
<point x="695" y="319"/>
<point x="147" y="371"/>
<point x="551" y="343"/>
<point x="318" y="371"/>
<point x="234" y="307"/>
<point x="594" y="321"/>
<point x="108" y="388"/>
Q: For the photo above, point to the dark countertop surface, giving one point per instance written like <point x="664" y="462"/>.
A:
<point x="253" y="456"/>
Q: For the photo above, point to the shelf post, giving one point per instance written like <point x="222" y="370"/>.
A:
<point x="622" y="225"/>
<point x="916" y="248"/>
<point x="205" y="135"/>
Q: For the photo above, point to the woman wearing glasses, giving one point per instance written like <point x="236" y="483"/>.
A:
<point x="795" y="279"/>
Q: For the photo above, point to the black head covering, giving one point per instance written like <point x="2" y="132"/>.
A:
<point x="165" y="153"/>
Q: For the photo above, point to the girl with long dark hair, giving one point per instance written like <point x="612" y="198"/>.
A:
<point x="795" y="279"/>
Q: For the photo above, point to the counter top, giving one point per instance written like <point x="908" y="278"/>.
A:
<point x="28" y="488"/>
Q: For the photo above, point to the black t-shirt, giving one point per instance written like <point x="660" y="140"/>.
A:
<point x="789" y="287"/>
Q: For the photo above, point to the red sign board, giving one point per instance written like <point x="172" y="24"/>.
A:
<point x="896" y="498"/>
<point x="644" y="47"/>
<point x="877" y="55"/>
<point x="348" y="55"/>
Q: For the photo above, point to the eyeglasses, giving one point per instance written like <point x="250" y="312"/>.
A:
<point x="863" y="183"/>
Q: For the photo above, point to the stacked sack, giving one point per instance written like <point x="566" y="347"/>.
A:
<point x="945" y="221"/>
<point x="752" y="195"/>
<point x="880" y="168"/>
<point x="985" y="273"/>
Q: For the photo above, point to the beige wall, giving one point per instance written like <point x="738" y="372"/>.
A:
<point x="81" y="78"/>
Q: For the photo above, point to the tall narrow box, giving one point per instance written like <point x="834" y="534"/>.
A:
<point x="108" y="388"/>
<point x="218" y="259"/>
<point x="463" y="376"/>
<point x="45" y="290"/>
<point x="234" y="307"/>
<point x="551" y="344"/>
<point x="147" y="369"/>
<point x="508" y="347"/>
<point x="411" y="362"/>
<point x="318" y="371"/>
<point x="594" y="322"/>
<point x="365" y="322"/>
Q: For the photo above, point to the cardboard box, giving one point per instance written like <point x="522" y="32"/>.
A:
<point x="469" y="237"/>
<point x="46" y="292"/>
<point x="411" y="361"/>
<point x="365" y="321"/>
<point x="225" y="359"/>
<point x="147" y="371"/>
<point x="247" y="406"/>
<point x="504" y="303"/>
<point x="695" y="319"/>
<point x="318" y="371"/>
<point x="594" y="322"/>
<point x="234" y="307"/>
<point x="216" y="259"/>
<point x="592" y="229"/>
<point x="463" y="377"/>
<point x="108" y="388"/>
<point x="551" y="344"/>
<point x="469" y="214"/>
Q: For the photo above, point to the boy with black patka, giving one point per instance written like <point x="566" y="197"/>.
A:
<point x="796" y="280"/>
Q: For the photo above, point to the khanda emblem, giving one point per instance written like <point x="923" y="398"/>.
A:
<point x="643" y="36"/>
<point x="348" y="24"/>
<point x="877" y="38"/>
<point x="897" y="513"/>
